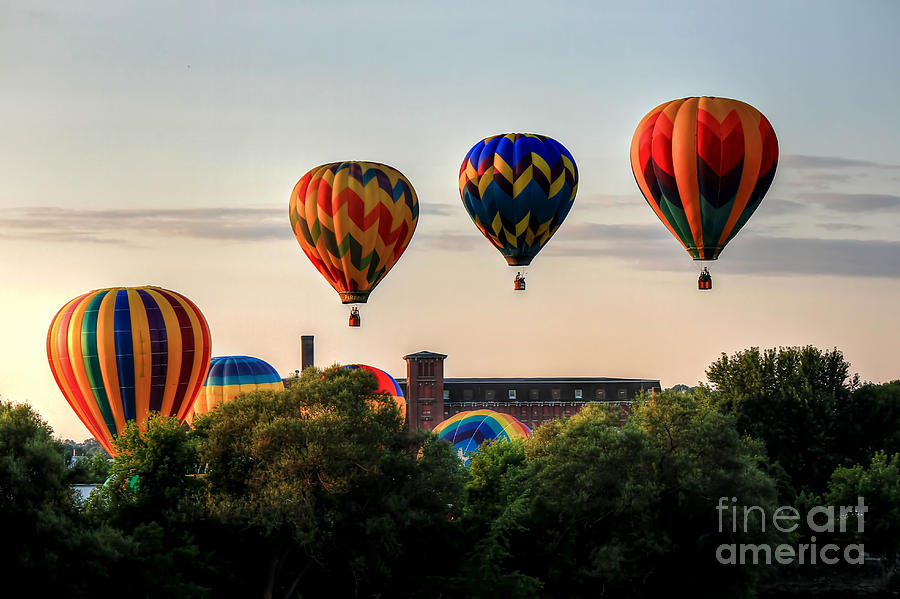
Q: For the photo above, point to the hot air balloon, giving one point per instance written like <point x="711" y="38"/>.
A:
<point x="386" y="384"/>
<point x="230" y="376"/>
<point x="518" y="189"/>
<point x="704" y="165"/>
<point x="119" y="354"/>
<point x="353" y="220"/>
<point x="467" y="430"/>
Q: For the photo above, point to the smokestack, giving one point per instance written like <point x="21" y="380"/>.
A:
<point x="306" y="352"/>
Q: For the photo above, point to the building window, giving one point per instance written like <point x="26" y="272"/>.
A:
<point x="623" y="393"/>
<point x="577" y="393"/>
<point x="489" y="395"/>
<point x="512" y="393"/>
<point x="534" y="395"/>
<point x="555" y="394"/>
<point x="446" y="394"/>
<point x="601" y="394"/>
<point x="467" y="395"/>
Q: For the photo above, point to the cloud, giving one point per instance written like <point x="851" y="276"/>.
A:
<point x="840" y="257"/>
<point x="852" y="202"/>
<point x="438" y="209"/>
<point x="803" y="161"/>
<point x="842" y="227"/>
<point x="778" y="207"/>
<point x="613" y="199"/>
<point x="749" y="253"/>
<point x="130" y="226"/>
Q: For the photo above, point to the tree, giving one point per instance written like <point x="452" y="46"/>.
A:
<point x="869" y="423"/>
<point x="149" y="500"/>
<point x="879" y="487"/>
<point x="789" y="398"/>
<point x="587" y="507"/>
<point x="47" y="547"/>
<point x="322" y="487"/>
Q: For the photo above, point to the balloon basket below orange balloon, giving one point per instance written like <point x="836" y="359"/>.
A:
<point x="519" y="284"/>
<point x="354" y="317"/>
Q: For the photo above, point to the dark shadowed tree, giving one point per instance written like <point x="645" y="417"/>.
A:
<point x="321" y="490"/>
<point x="586" y="508"/>
<point x="789" y="398"/>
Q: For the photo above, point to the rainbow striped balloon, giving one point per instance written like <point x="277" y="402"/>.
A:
<point x="386" y="384"/>
<point x="353" y="220"/>
<point x="230" y="376"/>
<point x="467" y="430"/>
<point x="119" y="354"/>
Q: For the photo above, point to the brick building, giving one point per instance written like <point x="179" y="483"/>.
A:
<point x="431" y="398"/>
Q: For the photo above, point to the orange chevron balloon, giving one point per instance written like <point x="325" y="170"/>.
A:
<point x="353" y="220"/>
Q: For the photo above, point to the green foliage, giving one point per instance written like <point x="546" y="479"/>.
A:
<point x="879" y="486"/>
<point x="148" y="500"/>
<point x="47" y="548"/>
<point x="586" y="507"/>
<point x="789" y="398"/>
<point x="322" y="481"/>
<point x="91" y="470"/>
<point x="869" y="423"/>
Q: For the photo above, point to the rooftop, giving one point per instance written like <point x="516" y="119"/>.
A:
<point x="546" y="380"/>
<point x="424" y="354"/>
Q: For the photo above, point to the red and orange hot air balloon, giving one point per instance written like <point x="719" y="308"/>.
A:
<point x="119" y="354"/>
<point x="704" y="165"/>
<point x="353" y="220"/>
<point x="386" y="384"/>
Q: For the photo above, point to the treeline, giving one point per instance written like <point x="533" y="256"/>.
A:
<point x="320" y="490"/>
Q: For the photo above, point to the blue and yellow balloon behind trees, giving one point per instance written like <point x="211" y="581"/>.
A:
<point x="121" y="353"/>
<point x="518" y="189"/>
<point x="229" y="376"/>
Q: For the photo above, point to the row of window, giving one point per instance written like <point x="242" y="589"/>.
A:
<point x="534" y="394"/>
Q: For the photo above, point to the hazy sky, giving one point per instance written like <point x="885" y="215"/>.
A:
<point x="158" y="144"/>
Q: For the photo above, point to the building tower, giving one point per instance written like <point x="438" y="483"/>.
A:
<point x="424" y="389"/>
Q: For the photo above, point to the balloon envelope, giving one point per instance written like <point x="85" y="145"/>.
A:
<point x="467" y="430"/>
<point x="518" y="188"/>
<point x="353" y="220"/>
<point x="704" y="165"/>
<point x="386" y="384"/>
<point x="230" y="376"/>
<point x="119" y="354"/>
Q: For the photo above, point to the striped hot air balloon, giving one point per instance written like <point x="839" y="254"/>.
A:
<point x="704" y="165"/>
<point x="230" y="376"/>
<point x="386" y="384"/>
<point x="467" y="430"/>
<point x="353" y="220"/>
<point x="518" y="189"/>
<point x="119" y="354"/>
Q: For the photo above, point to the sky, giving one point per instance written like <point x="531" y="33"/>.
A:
<point x="159" y="143"/>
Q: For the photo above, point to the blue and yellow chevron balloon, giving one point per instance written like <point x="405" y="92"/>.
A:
<point x="518" y="188"/>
